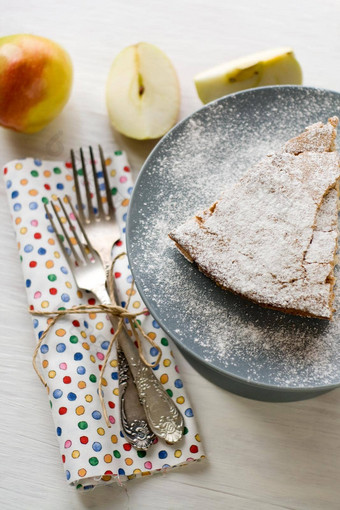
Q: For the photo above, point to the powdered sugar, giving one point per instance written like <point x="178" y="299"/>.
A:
<point x="206" y="155"/>
<point x="258" y="239"/>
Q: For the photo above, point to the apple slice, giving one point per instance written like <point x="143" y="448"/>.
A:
<point x="142" y="92"/>
<point x="272" y="67"/>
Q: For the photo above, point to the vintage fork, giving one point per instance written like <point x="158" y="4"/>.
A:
<point x="89" y="274"/>
<point x="103" y="232"/>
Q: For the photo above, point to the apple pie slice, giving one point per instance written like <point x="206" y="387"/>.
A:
<point x="272" y="237"/>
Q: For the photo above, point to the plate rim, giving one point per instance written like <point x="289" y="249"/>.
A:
<point x="179" y="344"/>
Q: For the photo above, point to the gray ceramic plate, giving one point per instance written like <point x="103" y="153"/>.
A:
<point x="252" y="351"/>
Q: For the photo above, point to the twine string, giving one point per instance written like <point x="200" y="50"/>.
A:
<point x="120" y="312"/>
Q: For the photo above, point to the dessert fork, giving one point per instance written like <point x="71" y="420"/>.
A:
<point x="101" y="231"/>
<point x="89" y="274"/>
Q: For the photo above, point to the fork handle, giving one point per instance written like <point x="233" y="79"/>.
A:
<point x="163" y="416"/>
<point x="133" y="420"/>
<point x="132" y="415"/>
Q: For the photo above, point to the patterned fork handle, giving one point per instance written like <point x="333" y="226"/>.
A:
<point x="162" y="415"/>
<point x="133" y="420"/>
<point x="134" y="423"/>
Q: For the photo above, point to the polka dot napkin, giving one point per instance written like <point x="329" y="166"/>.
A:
<point x="72" y="354"/>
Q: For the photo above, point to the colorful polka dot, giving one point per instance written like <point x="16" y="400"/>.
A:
<point x="44" y="348"/>
<point x="96" y="415"/>
<point x="96" y="446"/>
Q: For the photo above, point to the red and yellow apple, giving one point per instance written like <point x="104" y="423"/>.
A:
<point x="142" y="92"/>
<point x="35" y="81"/>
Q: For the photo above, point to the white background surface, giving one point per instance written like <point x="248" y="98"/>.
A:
<point x="261" y="456"/>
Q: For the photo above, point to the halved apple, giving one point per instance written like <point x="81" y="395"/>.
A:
<point x="272" y="67"/>
<point x="142" y="92"/>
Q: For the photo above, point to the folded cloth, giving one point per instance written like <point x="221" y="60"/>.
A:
<point x="73" y="353"/>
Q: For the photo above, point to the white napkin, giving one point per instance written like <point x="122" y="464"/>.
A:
<point x="73" y="352"/>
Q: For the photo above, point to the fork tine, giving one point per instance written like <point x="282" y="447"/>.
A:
<point x="61" y="244"/>
<point x="91" y="215"/>
<point x="111" y="209"/>
<point x="87" y="240"/>
<point x="96" y="184"/>
<point x="76" y="183"/>
<point x="65" y="234"/>
<point x="62" y="236"/>
<point x="74" y="231"/>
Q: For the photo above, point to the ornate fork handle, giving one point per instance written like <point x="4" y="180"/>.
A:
<point x="162" y="415"/>
<point x="133" y="419"/>
<point x="132" y="414"/>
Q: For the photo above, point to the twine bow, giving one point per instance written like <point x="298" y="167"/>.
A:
<point x="112" y="309"/>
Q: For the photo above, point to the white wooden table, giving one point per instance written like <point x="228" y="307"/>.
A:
<point x="261" y="456"/>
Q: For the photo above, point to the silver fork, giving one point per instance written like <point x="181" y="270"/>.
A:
<point x="103" y="232"/>
<point x="89" y="274"/>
